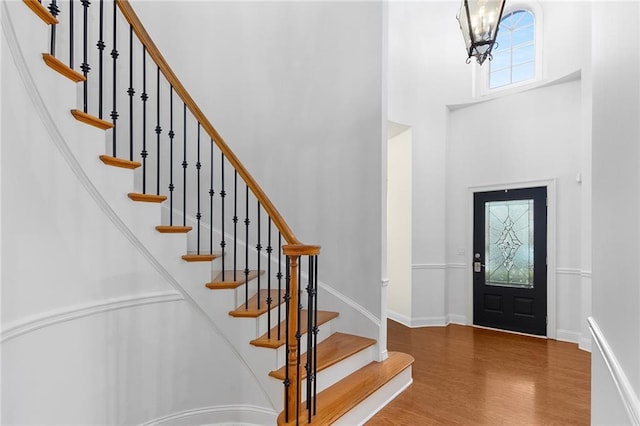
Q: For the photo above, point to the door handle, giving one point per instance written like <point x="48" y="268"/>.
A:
<point x="477" y="264"/>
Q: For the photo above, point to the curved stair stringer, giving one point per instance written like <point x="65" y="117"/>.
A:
<point x="135" y="221"/>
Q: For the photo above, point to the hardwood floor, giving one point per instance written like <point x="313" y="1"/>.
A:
<point x="466" y="375"/>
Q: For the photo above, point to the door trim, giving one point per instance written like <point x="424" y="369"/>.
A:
<point x="550" y="184"/>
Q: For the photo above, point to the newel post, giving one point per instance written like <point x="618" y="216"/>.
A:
<point x="293" y="381"/>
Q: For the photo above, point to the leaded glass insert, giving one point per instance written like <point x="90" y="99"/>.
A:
<point x="509" y="243"/>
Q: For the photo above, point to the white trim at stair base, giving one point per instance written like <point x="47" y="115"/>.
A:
<point x="47" y="319"/>
<point x="419" y="321"/>
<point x="628" y="396"/>
<point x="377" y="401"/>
<point x="219" y="415"/>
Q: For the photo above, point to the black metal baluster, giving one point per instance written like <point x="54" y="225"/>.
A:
<point x="315" y="332"/>
<point x="287" y="298"/>
<point x="308" y="366"/>
<point x="158" y="131"/>
<point x="55" y="11"/>
<point x="269" y="299"/>
<point x="198" y="215"/>
<point x="184" y="166"/>
<point x="259" y="250"/>
<point x="223" y="195"/>
<point x="246" y="251"/>
<point x="114" y="56"/>
<point x="211" y="194"/>
<point x="171" y="136"/>
<point x="71" y="33"/>
<point x="144" y="98"/>
<point x="279" y="277"/>
<point x="85" y="66"/>
<point x="235" y="222"/>
<point x="131" y="92"/>
<point x="298" y="336"/>
<point x="101" y="46"/>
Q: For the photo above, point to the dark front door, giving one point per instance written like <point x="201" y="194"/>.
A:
<point x="510" y="260"/>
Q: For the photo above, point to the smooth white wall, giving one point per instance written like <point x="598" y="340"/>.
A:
<point x="295" y="88"/>
<point x="535" y="139"/>
<point x="616" y="211"/>
<point x="426" y="70"/>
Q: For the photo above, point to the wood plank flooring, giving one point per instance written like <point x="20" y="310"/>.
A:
<point x="466" y="375"/>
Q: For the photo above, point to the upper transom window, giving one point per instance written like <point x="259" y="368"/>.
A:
<point x="514" y="57"/>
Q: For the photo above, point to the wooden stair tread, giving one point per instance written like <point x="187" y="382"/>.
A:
<point x="274" y="343"/>
<point x="41" y="11"/>
<point x="119" y="162"/>
<point x="335" y="401"/>
<point x="228" y="283"/>
<point x="61" y="68"/>
<point x="200" y="257"/>
<point x="334" y="349"/>
<point x="252" y="310"/>
<point x="91" y="120"/>
<point x="147" y="198"/>
<point x="173" y="229"/>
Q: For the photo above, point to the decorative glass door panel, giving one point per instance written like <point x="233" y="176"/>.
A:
<point x="510" y="259"/>
<point x="509" y="243"/>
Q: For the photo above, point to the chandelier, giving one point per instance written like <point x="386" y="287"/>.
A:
<point x="479" y="20"/>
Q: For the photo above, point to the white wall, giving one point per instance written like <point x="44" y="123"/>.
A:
<point x="295" y="88"/>
<point x="535" y="139"/>
<point x="616" y="212"/>
<point x="421" y="35"/>
<point x="427" y="73"/>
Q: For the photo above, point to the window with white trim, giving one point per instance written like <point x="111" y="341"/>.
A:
<point x="514" y="56"/>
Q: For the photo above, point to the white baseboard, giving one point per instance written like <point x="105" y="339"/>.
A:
<point x="628" y="396"/>
<point x="426" y="321"/>
<point x="457" y="319"/>
<point x="585" y="344"/>
<point x="400" y="318"/>
<point x="568" y="336"/>
<point x="429" y="322"/>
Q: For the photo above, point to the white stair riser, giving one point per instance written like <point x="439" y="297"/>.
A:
<point x="375" y="402"/>
<point x="324" y="331"/>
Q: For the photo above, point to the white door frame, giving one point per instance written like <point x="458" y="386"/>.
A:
<point x="550" y="184"/>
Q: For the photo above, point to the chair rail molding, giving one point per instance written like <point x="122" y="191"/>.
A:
<point x="47" y="319"/>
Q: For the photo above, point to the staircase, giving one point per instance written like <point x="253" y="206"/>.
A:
<point x="227" y="247"/>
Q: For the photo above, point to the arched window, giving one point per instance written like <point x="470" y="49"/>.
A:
<point x="514" y="57"/>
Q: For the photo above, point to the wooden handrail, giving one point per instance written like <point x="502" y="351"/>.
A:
<point x="154" y="53"/>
